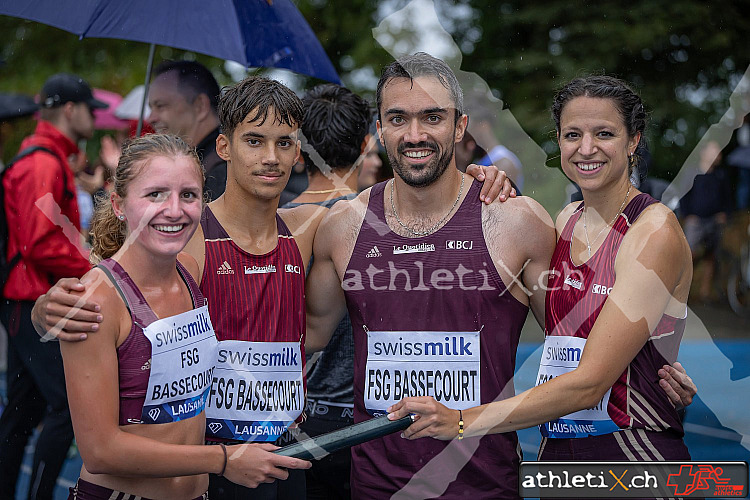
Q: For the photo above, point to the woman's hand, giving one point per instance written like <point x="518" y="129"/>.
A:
<point x="432" y="418"/>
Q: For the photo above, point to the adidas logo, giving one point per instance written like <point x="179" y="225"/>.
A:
<point x="374" y="252"/>
<point x="146" y="365"/>
<point x="225" y="268"/>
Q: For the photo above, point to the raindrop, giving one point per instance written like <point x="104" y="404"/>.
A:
<point x="680" y="55"/>
<point x="347" y="63"/>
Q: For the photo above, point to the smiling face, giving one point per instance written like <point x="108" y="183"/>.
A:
<point x="594" y="142"/>
<point x="260" y="155"/>
<point x="163" y="204"/>
<point x="419" y="131"/>
<point x="171" y="111"/>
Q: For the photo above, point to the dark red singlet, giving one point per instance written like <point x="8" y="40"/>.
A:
<point x="444" y="282"/>
<point x="650" y="426"/>
<point x="134" y="354"/>
<point x="259" y="298"/>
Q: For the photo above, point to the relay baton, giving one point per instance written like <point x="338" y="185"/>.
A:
<point x="324" y="444"/>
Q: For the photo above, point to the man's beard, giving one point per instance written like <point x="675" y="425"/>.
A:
<point x="431" y="171"/>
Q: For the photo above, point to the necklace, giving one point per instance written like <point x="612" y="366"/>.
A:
<point x="325" y="191"/>
<point x="433" y="228"/>
<point x="585" y="229"/>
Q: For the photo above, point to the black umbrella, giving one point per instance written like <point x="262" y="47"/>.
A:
<point x="16" y="106"/>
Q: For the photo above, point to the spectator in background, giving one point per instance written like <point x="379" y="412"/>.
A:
<point x="335" y="126"/>
<point x="370" y="172"/>
<point x="43" y="224"/>
<point x="466" y="151"/>
<point x="740" y="158"/>
<point x="704" y="212"/>
<point x="482" y="124"/>
<point x="183" y="99"/>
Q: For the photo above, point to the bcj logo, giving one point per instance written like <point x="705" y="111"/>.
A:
<point x="292" y="269"/>
<point x="459" y="245"/>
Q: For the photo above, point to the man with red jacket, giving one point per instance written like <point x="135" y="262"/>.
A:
<point x="44" y="243"/>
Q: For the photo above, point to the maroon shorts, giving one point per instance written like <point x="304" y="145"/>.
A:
<point x="83" y="490"/>
<point x="632" y="445"/>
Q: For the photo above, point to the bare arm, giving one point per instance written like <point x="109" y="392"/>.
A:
<point x="68" y="311"/>
<point x="303" y="222"/>
<point x="91" y="375"/>
<point x="540" y="245"/>
<point x="61" y="314"/>
<point x="657" y="264"/>
<point x="324" y="296"/>
<point x="522" y="264"/>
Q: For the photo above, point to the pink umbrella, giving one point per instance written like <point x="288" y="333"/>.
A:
<point x="105" y="118"/>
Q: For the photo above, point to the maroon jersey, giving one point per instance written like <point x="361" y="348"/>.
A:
<point x="575" y="297"/>
<point x="257" y="303"/>
<point x="258" y="298"/>
<point x="134" y="354"/>
<point x="431" y="316"/>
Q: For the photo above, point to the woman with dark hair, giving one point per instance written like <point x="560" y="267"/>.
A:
<point x="615" y="306"/>
<point x="137" y="389"/>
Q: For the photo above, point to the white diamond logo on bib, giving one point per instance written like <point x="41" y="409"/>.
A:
<point x="154" y="414"/>
<point x="215" y="427"/>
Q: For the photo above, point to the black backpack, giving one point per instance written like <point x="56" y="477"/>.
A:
<point x="6" y="265"/>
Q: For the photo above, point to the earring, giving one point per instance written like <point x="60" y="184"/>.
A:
<point x="121" y="217"/>
<point x="632" y="160"/>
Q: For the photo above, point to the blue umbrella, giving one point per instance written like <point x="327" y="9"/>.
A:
<point x="255" y="33"/>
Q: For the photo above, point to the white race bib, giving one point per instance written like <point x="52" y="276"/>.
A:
<point x="444" y="365"/>
<point x="257" y="390"/>
<point x="183" y="352"/>
<point x="562" y="354"/>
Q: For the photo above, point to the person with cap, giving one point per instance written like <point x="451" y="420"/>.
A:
<point x="41" y="210"/>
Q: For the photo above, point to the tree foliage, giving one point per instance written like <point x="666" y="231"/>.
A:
<point x="685" y="57"/>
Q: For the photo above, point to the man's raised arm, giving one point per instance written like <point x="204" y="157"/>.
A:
<point x="62" y="315"/>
